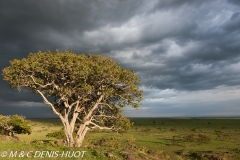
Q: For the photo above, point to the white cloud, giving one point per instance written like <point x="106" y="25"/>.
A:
<point x="220" y="101"/>
<point x="25" y="104"/>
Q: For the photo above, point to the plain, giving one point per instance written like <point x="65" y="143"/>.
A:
<point x="149" y="138"/>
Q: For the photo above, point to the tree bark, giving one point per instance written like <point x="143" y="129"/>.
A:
<point x="68" y="133"/>
<point x="69" y="126"/>
<point x="80" y="135"/>
<point x="69" y="139"/>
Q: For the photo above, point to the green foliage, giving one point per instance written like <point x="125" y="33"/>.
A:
<point x="20" y="125"/>
<point x="68" y="77"/>
<point x="4" y="127"/>
<point x="14" y="124"/>
<point x="75" y="75"/>
<point x="86" y="90"/>
<point x="123" y="124"/>
<point x="57" y="134"/>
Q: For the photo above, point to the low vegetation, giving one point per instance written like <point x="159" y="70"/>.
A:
<point x="149" y="138"/>
<point x="9" y="125"/>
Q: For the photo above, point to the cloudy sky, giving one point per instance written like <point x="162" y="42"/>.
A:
<point x="186" y="52"/>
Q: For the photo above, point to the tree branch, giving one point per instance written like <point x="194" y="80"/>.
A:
<point x="106" y="105"/>
<point x="122" y="97"/>
<point x="97" y="126"/>
<point x="105" y="116"/>
<point x="43" y="86"/>
<point x="50" y="104"/>
<point x="94" y="107"/>
<point x="75" y="113"/>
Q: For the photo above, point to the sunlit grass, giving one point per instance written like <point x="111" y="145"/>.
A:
<point x="149" y="137"/>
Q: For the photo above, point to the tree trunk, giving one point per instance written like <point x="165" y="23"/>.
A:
<point x="70" y="140"/>
<point x="68" y="133"/>
<point x="79" y="141"/>
<point x="80" y="135"/>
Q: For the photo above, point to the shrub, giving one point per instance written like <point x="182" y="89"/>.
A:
<point x="57" y="134"/>
<point x="203" y="138"/>
<point x="189" y="138"/>
<point x="9" y="125"/>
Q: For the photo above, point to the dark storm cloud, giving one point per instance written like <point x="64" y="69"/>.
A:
<point x="29" y="26"/>
<point x="180" y="45"/>
<point x="206" y="47"/>
<point x="26" y="111"/>
<point x="234" y="1"/>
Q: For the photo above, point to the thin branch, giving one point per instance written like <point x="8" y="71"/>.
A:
<point x="106" y="105"/>
<point x="50" y="104"/>
<point x="97" y="126"/>
<point x="105" y="116"/>
<point x="76" y="102"/>
<point x="43" y="86"/>
<point x="94" y="107"/>
<point x="122" y="97"/>
<point x="75" y="113"/>
<point x="79" y="119"/>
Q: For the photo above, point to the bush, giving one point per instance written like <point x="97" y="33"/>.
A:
<point x="188" y="138"/>
<point x="57" y="134"/>
<point x="9" y="125"/>
<point x="203" y="138"/>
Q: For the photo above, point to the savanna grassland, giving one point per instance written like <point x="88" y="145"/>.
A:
<point x="149" y="138"/>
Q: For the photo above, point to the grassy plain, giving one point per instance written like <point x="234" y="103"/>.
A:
<point x="150" y="138"/>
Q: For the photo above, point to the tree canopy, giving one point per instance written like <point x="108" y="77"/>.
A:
<point x="87" y="90"/>
<point x="14" y="124"/>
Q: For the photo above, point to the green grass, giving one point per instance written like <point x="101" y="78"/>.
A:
<point x="150" y="138"/>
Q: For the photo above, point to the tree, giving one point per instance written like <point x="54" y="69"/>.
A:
<point x="88" y="91"/>
<point x="14" y="124"/>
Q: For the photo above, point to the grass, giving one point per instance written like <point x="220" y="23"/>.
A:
<point x="150" y="138"/>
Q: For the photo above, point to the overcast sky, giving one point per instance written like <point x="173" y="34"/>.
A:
<point x="186" y="52"/>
